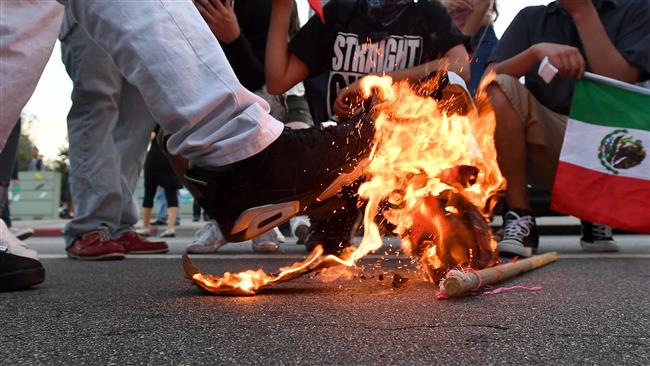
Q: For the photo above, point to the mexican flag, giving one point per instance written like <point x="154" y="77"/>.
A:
<point x="603" y="175"/>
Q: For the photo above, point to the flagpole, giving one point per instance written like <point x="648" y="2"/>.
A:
<point x="616" y="83"/>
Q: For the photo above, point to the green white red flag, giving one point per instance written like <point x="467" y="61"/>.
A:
<point x="603" y="175"/>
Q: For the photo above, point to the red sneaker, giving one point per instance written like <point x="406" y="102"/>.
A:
<point x="133" y="243"/>
<point x="95" y="245"/>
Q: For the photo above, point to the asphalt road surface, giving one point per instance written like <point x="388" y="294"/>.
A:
<point x="593" y="309"/>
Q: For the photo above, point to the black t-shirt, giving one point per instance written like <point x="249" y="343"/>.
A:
<point x="350" y="45"/>
<point x="627" y="23"/>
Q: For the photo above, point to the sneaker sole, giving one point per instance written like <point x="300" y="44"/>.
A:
<point x="516" y="249"/>
<point x="19" y="280"/>
<point x="103" y="257"/>
<point x="204" y="249"/>
<point x="598" y="248"/>
<point x="257" y="220"/>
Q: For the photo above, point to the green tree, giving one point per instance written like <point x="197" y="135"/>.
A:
<point x="25" y="144"/>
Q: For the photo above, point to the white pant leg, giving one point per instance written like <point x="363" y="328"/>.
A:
<point x="28" y="29"/>
<point x="167" y="51"/>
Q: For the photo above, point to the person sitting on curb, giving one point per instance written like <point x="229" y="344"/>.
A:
<point x="600" y="36"/>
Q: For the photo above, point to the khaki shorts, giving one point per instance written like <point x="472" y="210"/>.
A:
<point x="544" y="131"/>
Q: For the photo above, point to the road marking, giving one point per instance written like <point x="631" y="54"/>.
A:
<point x="300" y="257"/>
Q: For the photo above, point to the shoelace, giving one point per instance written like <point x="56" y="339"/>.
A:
<point x="517" y="227"/>
<point x="601" y="231"/>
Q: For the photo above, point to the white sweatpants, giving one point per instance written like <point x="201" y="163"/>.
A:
<point x="163" y="48"/>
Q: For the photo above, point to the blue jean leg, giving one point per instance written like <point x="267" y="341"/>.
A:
<point x="478" y="63"/>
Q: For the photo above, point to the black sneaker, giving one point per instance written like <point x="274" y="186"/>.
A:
<point x="295" y="173"/>
<point x="519" y="234"/>
<point x="334" y="232"/>
<point x="597" y="238"/>
<point x="18" y="272"/>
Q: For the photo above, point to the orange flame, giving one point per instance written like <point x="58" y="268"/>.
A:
<point x="435" y="170"/>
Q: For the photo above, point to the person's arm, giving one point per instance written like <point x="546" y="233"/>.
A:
<point x="456" y="60"/>
<point x="515" y="55"/>
<point x="567" y="59"/>
<point x="222" y="20"/>
<point x="282" y="68"/>
<point x="603" y="57"/>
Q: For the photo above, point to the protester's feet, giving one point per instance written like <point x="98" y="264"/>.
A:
<point x="254" y="195"/>
<point x="96" y="245"/>
<point x="169" y="233"/>
<point x="597" y="238"/>
<point x="207" y="240"/>
<point x="334" y="232"/>
<point x="520" y="236"/>
<point x="158" y="222"/>
<point x="196" y="218"/>
<point x="22" y="234"/>
<point x="20" y="267"/>
<point x="134" y="243"/>
<point x="268" y="242"/>
<point x="300" y="228"/>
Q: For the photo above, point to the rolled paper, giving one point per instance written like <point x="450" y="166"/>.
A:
<point x="546" y="70"/>
<point x="458" y="283"/>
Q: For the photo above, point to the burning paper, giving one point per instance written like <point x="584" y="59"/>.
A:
<point x="432" y="176"/>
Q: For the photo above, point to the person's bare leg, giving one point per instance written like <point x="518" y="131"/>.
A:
<point x="146" y="217"/>
<point x="172" y="212"/>
<point x="510" y="141"/>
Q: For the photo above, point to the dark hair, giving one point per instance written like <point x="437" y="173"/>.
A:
<point x="495" y="11"/>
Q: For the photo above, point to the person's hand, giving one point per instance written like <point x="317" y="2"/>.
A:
<point x="578" y="7"/>
<point x="221" y="19"/>
<point x="567" y="59"/>
<point x="348" y="100"/>
<point x="457" y="5"/>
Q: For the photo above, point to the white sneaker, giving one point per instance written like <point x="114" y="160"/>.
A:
<point x="281" y="238"/>
<point x="15" y="246"/>
<point x="207" y="240"/>
<point x="267" y="242"/>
